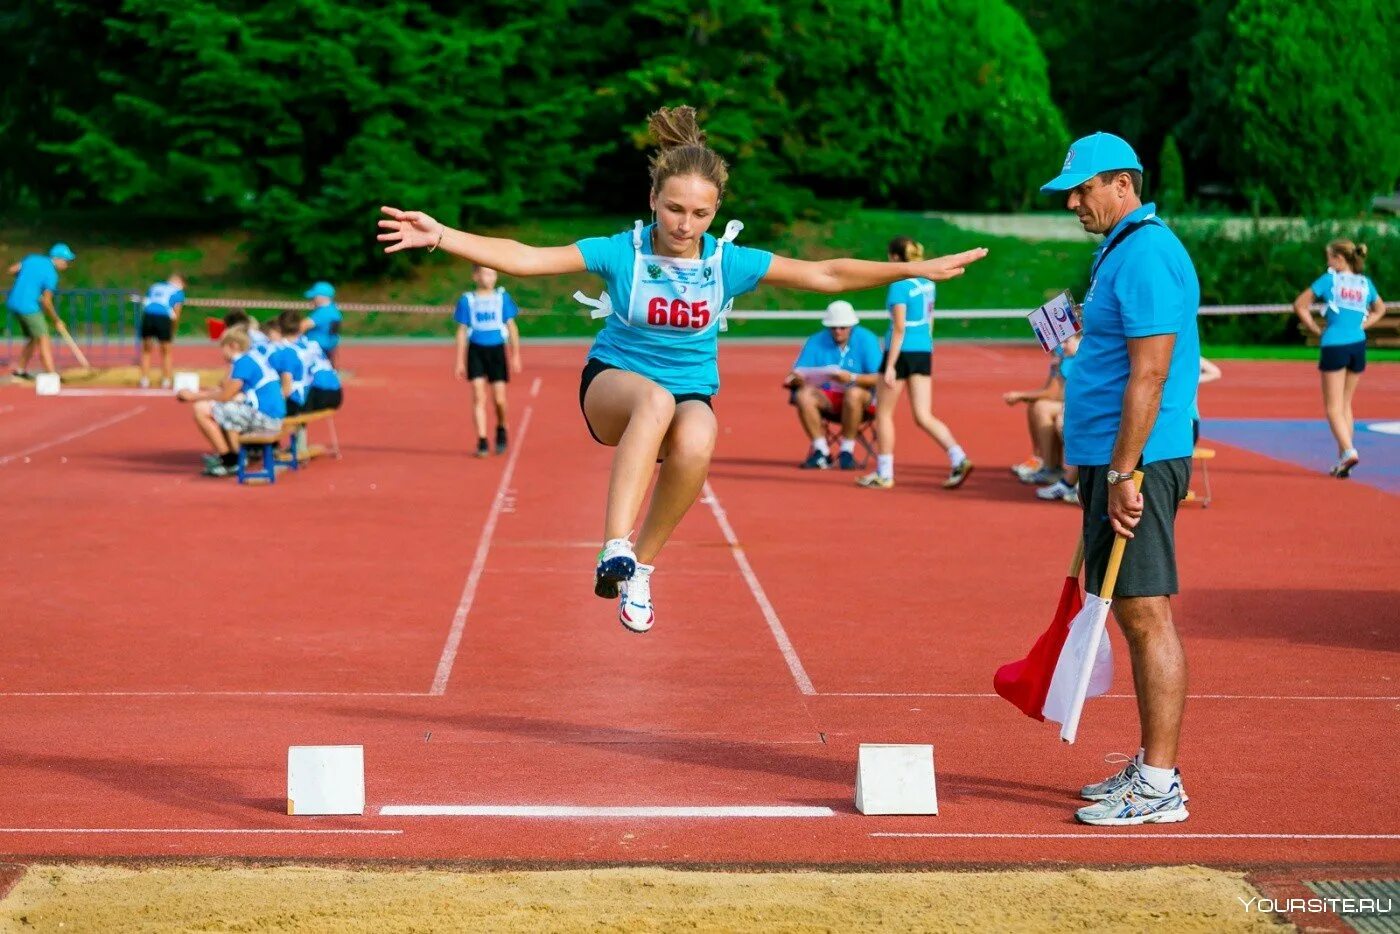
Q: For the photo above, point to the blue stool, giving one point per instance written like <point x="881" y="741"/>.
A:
<point x="269" y="467"/>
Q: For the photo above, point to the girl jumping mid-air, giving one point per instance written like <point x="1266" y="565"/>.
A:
<point x="647" y="386"/>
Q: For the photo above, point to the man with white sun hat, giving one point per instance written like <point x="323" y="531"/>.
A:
<point x="835" y="375"/>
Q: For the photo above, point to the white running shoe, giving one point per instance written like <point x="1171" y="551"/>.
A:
<point x="616" y="563"/>
<point x="635" y="611"/>
<point x="144" y="383"/>
<point x="1058" y="490"/>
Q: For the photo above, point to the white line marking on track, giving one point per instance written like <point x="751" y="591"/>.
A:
<point x="1115" y="835"/>
<point x="535" y="386"/>
<point x="191" y="830"/>
<point x="794" y="663"/>
<point x="105" y="423"/>
<point x="560" y="810"/>
<point x="483" y="548"/>
<point x="1230" y="697"/>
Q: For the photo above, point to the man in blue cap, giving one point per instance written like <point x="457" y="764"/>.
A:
<point x="323" y="324"/>
<point x="31" y="301"/>
<point x="1129" y="408"/>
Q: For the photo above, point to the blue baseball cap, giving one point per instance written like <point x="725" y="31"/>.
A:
<point x="321" y="290"/>
<point x="1089" y="156"/>
<point x="62" y="251"/>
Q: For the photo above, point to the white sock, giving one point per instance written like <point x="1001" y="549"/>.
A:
<point x="821" y="447"/>
<point x="848" y="445"/>
<point x="1349" y="452"/>
<point x="884" y="466"/>
<point x="956" y="455"/>
<point x="1160" y="779"/>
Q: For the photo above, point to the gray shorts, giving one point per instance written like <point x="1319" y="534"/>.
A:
<point x="243" y="419"/>
<point x="1149" y="561"/>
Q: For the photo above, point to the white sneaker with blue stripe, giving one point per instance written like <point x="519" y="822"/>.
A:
<point x="616" y="564"/>
<point x="1119" y="780"/>
<point x="1138" y="802"/>
<point x="636" y="611"/>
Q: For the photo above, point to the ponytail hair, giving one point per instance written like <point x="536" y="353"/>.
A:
<point x="1353" y="253"/>
<point x="681" y="149"/>
<point x="907" y="249"/>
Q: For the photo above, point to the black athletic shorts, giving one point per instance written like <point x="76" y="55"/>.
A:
<point x="909" y="363"/>
<point x="295" y="408"/>
<point x="157" y="326"/>
<point x="1343" y="357"/>
<point x="488" y="363"/>
<point x="593" y="367"/>
<point x="1149" y="561"/>
<point x="318" y="399"/>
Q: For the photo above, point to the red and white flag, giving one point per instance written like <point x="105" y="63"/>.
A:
<point x="1072" y="660"/>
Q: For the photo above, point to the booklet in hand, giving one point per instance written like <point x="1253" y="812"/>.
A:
<point x="1055" y="322"/>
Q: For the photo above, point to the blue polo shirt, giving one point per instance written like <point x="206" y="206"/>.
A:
<point x="1146" y="287"/>
<point x="861" y="355"/>
<point x="37" y="275"/>
<point x="325" y="330"/>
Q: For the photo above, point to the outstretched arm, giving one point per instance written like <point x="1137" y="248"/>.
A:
<point x="406" y="230"/>
<point x="850" y="275"/>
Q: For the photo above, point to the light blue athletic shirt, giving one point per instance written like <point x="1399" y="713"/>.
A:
<point x="486" y="316"/>
<point x="318" y="369"/>
<point x="679" y="362"/>
<point x="860" y="356"/>
<point x="283" y="358"/>
<point x="1146" y="286"/>
<point x="261" y="387"/>
<point x="1346" y="296"/>
<point x="916" y="295"/>
<point x="37" y="275"/>
<point x="162" y="298"/>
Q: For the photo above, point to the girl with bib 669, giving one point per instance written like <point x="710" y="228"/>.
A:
<point x="651" y="375"/>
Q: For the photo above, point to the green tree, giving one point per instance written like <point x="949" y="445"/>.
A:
<point x="1170" y="189"/>
<point x="1295" y="103"/>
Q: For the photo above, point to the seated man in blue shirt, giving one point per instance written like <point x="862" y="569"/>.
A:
<point x="248" y="401"/>
<point x="835" y="376"/>
<point x="31" y="300"/>
<point x="323" y="324"/>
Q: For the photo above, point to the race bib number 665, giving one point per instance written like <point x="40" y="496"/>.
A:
<point x="677" y="313"/>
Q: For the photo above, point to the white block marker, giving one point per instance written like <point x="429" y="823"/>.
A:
<point x="895" y="779"/>
<point x="325" y="780"/>
<point x="187" y="379"/>
<point x="47" y="384"/>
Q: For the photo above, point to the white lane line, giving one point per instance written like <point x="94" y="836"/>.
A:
<point x="535" y="386"/>
<point x="483" y="548"/>
<point x="105" y="423"/>
<point x="1112" y="835"/>
<point x="193" y="830"/>
<point x="560" y="810"/>
<point x="799" y="674"/>
<point x="1228" y="697"/>
<point x="213" y="694"/>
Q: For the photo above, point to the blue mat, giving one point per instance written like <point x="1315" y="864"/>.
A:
<point x="1308" y="443"/>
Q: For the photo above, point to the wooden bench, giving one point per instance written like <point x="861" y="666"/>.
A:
<point x="1203" y="457"/>
<point x="293" y="427"/>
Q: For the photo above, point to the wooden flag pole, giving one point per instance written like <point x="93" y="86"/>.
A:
<point x="1077" y="563"/>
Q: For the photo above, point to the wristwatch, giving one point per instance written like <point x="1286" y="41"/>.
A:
<point x="1115" y="478"/>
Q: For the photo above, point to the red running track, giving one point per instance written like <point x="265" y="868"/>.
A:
<point x="167" y="637"/>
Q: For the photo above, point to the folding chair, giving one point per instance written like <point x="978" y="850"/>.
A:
<point x="865" y="434"/>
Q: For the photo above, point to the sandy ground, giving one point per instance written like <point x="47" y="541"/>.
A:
<point x="313" y="899"/>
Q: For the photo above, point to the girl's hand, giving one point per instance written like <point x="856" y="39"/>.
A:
<point x="460" y="371"/>
<point x="948" y="267"/>
<point x="889" y="377"/>
<point x="515" y="365"/>
<point x="409" y="229"/>
<point x="1011" y="398"/>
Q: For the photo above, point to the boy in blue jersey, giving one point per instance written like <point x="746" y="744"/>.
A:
<point x="485" y="327"/>
<point x="248" y="401"/>
<point x="323" y="324"/>
<point x="845" y="392"/>
<point x="159" y="318"/>
<point x="30" y="301"/>
<point x="323" y="388"/>
<point x="287" y="364"/>
<point x="647" y="386"/>
<point x="1351" y="306"/>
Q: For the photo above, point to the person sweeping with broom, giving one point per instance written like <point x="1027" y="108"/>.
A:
<point x="1129" y="409"/>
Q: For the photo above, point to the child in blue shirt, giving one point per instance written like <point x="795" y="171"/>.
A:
<point x="485" y="326"/>
<point x="322" y="382"/>
<point x="646" y="388"/>
<point x="323" y="324"/>
<point x="287" y="364"/>
<point x="1351" y="305"/>
<point x="248" y="401"/>
<point x="160" y="314"/>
